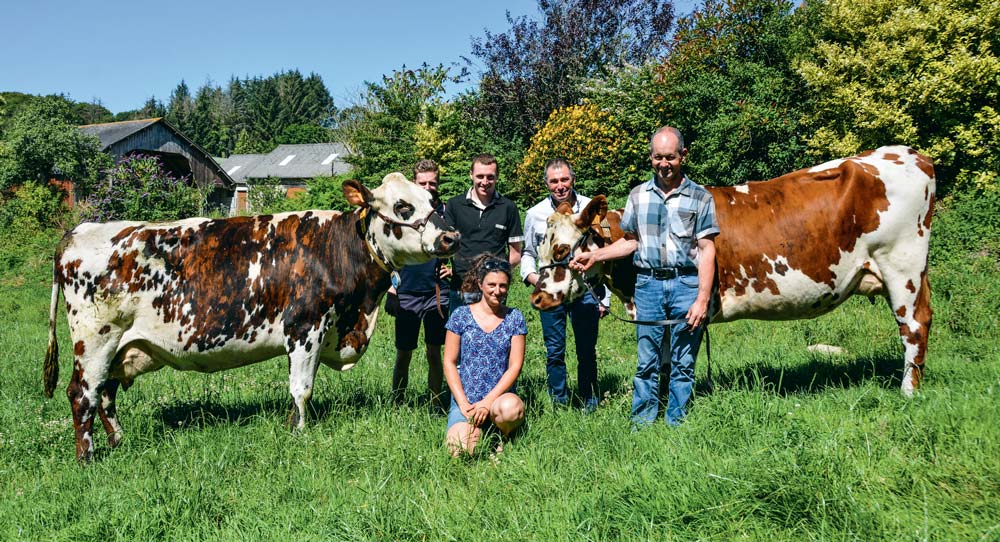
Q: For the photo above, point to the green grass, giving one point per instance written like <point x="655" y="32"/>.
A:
<point x="788" y="446"/>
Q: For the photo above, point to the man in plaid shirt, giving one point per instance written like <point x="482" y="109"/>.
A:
<point x="670" y="228"/>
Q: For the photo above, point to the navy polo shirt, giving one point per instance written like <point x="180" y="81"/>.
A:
<point x="483" y="230"/>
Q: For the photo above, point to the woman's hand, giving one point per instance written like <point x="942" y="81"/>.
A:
<point x="466" y="409"/>
<point x="480" y="412"/>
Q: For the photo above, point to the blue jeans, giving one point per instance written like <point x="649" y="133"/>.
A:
<point x="656" y="300"/>
<point x="584" y="316"/>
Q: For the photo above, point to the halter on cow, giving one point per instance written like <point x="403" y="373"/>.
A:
<point x="207" y="295"/>
<point x="792" y="247"/>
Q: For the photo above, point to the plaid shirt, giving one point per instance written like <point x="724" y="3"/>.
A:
<point x="669" y="227"/>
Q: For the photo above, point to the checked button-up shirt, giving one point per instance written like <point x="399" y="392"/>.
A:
<point x="669" y="226"/>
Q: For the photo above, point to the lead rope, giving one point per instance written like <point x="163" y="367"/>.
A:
<point x="437" y="296"/>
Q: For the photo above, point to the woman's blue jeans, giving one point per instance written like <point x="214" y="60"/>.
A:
<point x="670" y="299"/>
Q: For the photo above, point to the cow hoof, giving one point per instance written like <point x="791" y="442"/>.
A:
<point x="294" y="422"/>
<point x="114" y="439"/>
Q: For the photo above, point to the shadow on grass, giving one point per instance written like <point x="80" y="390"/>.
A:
<point x="817" y="374"/>
<point x="211" y="412"/>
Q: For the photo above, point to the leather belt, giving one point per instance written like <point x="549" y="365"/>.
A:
<point x="665" y="273"/>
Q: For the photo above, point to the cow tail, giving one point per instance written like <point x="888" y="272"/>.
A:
<point x="50" y="372"/>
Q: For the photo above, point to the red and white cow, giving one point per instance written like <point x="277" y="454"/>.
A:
<point x="212" y="294"/>
<point x="792" y="247"/>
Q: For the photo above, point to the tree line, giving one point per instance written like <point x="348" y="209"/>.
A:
<point x="758" y="87"/>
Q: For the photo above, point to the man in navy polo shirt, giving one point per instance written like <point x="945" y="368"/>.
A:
<point x="487" y="221"/>
<point x="420" y="295"/>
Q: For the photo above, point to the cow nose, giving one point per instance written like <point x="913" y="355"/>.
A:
<point x="447" y="242"/>
<point x="542" y="300"/>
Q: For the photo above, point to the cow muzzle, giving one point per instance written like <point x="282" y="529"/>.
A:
<point x="544" y="301"/>
<point x="446" y="244"/>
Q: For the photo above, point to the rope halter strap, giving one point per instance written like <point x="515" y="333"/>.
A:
<point x="418" y="225"/>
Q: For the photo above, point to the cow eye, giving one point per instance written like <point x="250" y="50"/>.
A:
<point x="403" y="210"/>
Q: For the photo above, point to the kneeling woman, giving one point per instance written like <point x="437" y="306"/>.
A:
<point x="483" y="356"/>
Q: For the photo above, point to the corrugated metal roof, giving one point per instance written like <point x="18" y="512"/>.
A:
<point x="112" y="132"/>
<point x="300" y="162"/>
<point x="238" y="165"/>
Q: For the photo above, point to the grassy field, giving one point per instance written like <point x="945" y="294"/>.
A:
<point x="788" y="446"/>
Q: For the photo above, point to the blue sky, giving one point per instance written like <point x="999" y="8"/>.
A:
<point x="123" y="52"/>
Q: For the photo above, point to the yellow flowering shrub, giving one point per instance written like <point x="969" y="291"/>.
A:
<point x="925" y="73"/>
<point x="605" y="159"/>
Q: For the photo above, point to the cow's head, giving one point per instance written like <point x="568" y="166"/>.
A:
<point x="565" y="235"/>
<point x="399" y="222"/>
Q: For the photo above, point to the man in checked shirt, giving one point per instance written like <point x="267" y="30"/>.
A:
<point x="670" y="228"/>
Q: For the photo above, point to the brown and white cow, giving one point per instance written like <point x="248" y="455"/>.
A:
<point x="212" y="294"/>
<point x="792" y="247"/>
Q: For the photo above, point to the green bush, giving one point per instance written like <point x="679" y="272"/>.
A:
<point x="920" y="72"/>
<point x="966" y="226"/>
<point x="27" y="223"/>
<point x="324" y="193"/>
<point x="965" y="263"/>
<point x="138" y="188"/>
<point x="266" y="196"/>
<point x="42" y="139"/>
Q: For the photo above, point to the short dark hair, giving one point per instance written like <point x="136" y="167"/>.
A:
<point x="485" y="159"/>
<point x="558" y="161"/>
<point x="425" y="166"/>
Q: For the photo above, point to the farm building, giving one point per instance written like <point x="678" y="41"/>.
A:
<point x="292" y="165"/>
<point x="180" y="155"/>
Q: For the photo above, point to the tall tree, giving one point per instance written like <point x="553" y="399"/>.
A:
<point x="381" y="130"/>
<point x="153" y="108"/>
<point x="202" y="126"/>
<point x="91" y="112"/>
<point x="318" y="102"/>
<point x="728" y="84"/>
<point x="43" y="140"/>
<point x="179" y="107"/>
<point x="535" y="67"/>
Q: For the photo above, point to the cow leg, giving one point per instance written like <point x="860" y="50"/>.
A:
<point x="92" y="361"/>
<point x="83" y="401"/>
<point x="109" y="413"/>
<point x="302" y="365"/>
<point x="910" y="299"/>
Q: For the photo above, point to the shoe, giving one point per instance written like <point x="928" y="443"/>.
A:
<point x="589" y="406"/>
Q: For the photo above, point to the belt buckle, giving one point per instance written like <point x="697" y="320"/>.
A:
<point x="664" y="273"/>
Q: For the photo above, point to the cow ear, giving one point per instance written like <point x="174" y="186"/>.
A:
<point x="356" y="193"/>
<point x="595" y="211"/>
<point x="565" y="208"/>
